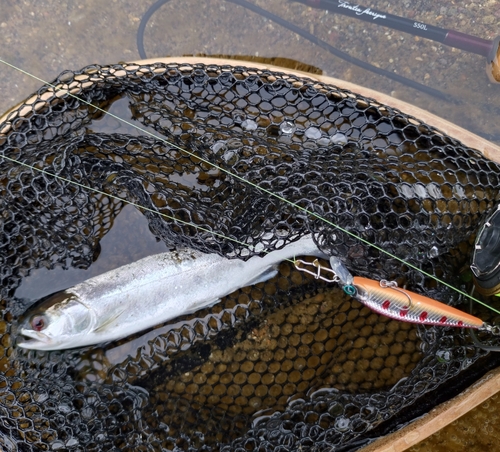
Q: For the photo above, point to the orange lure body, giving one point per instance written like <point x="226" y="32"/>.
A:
<point x="409" y="306"/>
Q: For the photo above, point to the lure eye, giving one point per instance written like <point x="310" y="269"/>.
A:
<point x="38" y="322"/>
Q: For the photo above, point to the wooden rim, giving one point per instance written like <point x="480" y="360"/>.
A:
<point x="438" y="417"/>
<point x="488" y="149"/>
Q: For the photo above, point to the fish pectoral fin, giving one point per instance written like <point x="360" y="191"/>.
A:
<point x="268" y="273"/>
<point x="107" y="322"/>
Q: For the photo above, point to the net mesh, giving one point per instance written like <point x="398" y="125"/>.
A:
<point x="290" y="364"/>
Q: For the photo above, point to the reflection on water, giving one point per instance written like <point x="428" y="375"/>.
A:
<point x="223" y="28"/>
<point x="128" y="240"/>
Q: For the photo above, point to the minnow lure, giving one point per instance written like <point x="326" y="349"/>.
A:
<point x="386" y="298"/>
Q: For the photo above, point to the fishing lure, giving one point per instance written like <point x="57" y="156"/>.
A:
<point x="386" y="298"/>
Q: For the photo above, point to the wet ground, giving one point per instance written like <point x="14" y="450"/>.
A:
<point x="45" y="37"/>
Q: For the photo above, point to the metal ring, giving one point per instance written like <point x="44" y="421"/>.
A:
<point x="350" y="290"/>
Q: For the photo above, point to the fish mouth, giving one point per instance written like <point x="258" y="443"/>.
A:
<point x="36" y="340"/>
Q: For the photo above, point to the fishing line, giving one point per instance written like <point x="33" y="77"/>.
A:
<point x="303" y="209"/>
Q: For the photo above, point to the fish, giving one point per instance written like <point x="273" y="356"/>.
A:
<point x="145" y="293"/>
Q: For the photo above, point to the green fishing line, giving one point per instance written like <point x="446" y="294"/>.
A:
<point x="56" y="176"/>
<point x="270" y="193"/>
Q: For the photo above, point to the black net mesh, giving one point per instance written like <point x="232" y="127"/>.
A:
<point x="290" y="364"/>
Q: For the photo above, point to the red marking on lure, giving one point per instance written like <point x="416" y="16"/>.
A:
<point x="443" y="319"/>
<point x="423" y="316"/>
<point x="403" y="312"/>
<point x="386" y="304"/>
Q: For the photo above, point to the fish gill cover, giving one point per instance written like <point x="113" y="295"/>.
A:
<point x="291" y="364"/>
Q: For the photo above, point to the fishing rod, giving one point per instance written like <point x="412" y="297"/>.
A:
<point x="240" y="178"/>
<point x="479" y="45"/>
<point x="306" y="35"/>
<point x="486" y="48"/>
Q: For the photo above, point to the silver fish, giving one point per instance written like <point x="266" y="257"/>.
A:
<point x="145" y="293"/>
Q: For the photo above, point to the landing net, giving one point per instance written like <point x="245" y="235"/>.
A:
<point x="291" y="364"/>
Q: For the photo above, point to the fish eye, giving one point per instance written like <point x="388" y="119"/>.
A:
<point x="38" y="322"/>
